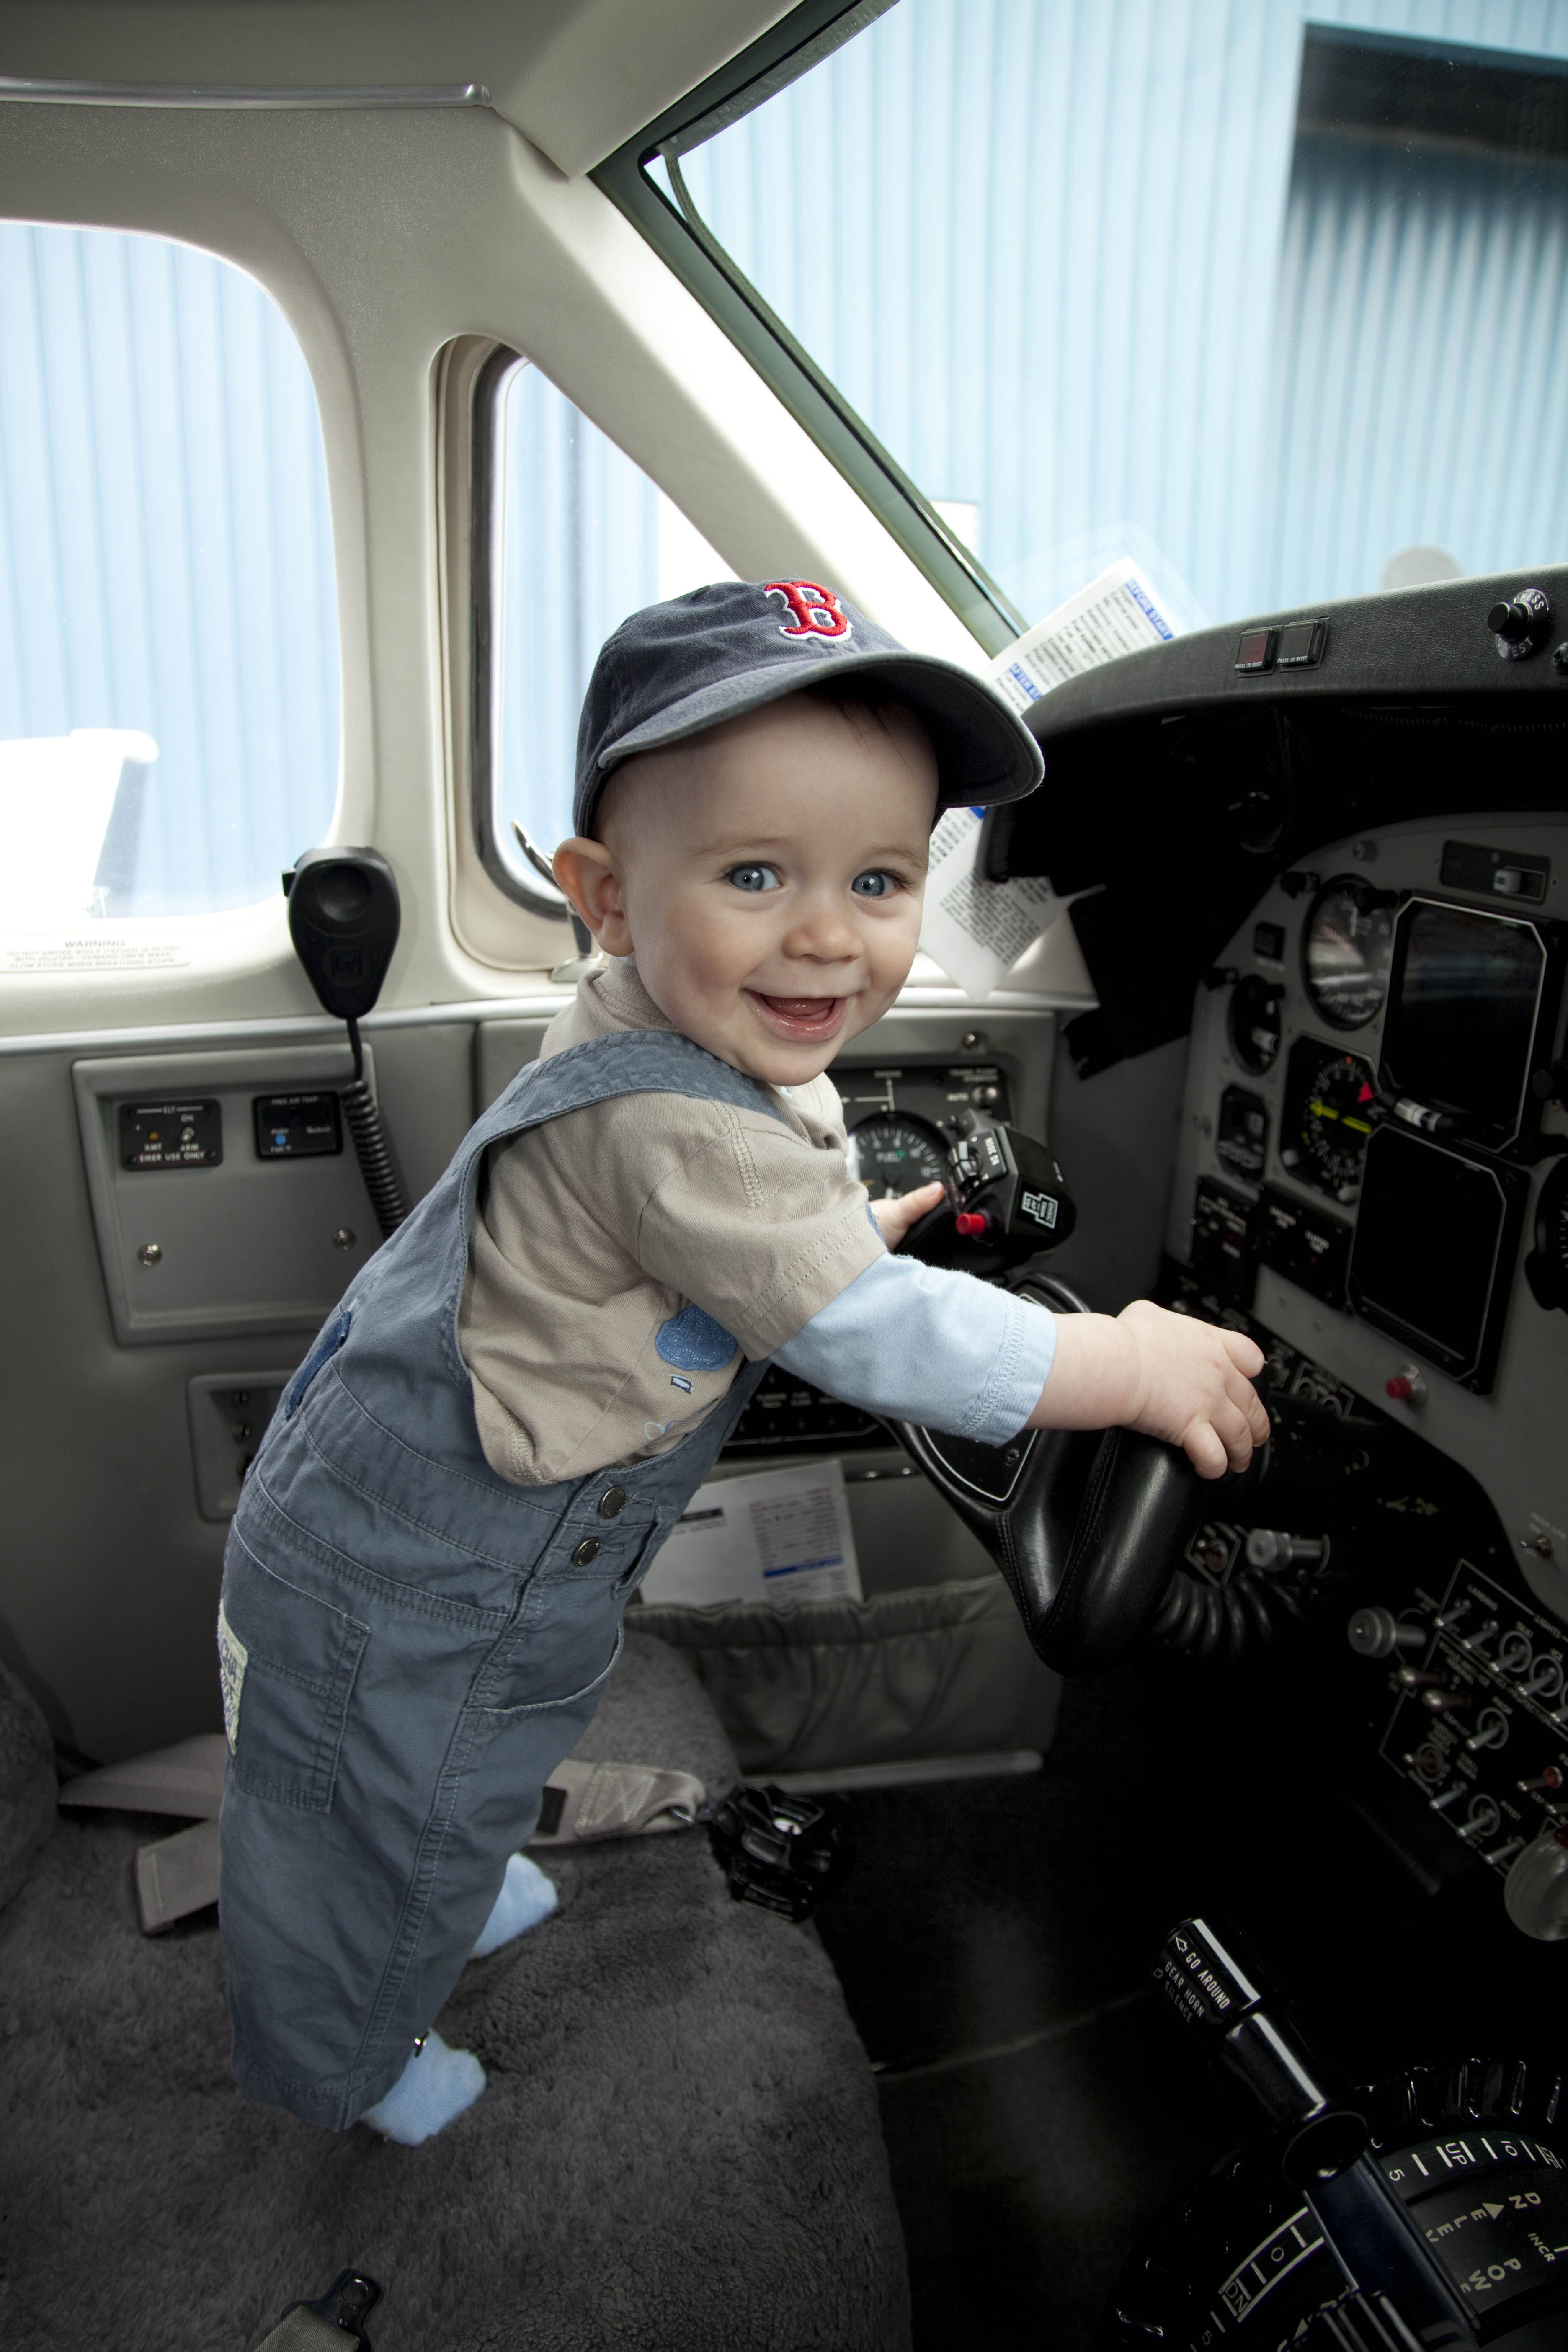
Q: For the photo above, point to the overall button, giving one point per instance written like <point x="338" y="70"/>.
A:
<point x="586" y="1550"/>
<point x="611" y="1501"/>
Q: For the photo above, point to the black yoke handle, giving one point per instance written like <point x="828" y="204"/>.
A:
<point x="1087" y="1526"/>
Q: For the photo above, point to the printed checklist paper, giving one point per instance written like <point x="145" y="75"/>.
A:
<point x="975" y="930"/>
<point x="777" y="1536"/>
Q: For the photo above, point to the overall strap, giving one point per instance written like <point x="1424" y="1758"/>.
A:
<point x="628" y="1062"/>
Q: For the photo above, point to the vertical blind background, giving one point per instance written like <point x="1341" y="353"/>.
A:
<point x="1076" y="262"/>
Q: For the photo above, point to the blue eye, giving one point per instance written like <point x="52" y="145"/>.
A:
<point x="753" y="878"/>
<point x="874" y="884"/>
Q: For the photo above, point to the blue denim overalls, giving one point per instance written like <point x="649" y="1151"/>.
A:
<point x="409" y="1643"/>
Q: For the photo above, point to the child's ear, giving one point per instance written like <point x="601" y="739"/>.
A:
<point x="586" y="872"/>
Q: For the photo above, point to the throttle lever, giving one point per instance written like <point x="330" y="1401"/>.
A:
<point x="1325" y="2152"/>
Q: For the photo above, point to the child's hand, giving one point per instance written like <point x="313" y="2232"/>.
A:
<point x="1166" y="1375"/>
<point x="1196" y="1388"/>
<point x="895" y="1218"/>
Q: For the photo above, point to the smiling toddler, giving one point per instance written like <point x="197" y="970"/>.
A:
<point x="467" y="1479"/>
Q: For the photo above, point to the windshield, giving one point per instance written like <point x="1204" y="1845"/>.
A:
<point x="1274" y="306"/>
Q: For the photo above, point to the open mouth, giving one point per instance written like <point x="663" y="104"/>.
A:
<point x="807" y="1018"/>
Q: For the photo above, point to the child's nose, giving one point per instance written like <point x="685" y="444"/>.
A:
<point x="824" y="933"/>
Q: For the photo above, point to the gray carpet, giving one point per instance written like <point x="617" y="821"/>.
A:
<point x="678" y="2146"/>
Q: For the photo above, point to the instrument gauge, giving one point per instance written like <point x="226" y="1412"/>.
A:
<point x="1345" y="951"/>
<point x="1546" y="1267"/>
<point x="895" y="1155"/>
<point x="1330" y="1096"/>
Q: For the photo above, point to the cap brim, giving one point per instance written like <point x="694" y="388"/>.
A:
<point x="984" y="752"/>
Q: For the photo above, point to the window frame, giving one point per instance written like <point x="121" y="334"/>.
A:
<point x="684" y="242"/>
<point x="492" y="381"/>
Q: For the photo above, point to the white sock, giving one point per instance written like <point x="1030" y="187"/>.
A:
<point x="526" y="1897"/>
<point x="437" y="2084"/>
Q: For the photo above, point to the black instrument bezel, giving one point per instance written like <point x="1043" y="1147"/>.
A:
<point x="1490" y="1134"/>
<point x="1473" y="1367"/>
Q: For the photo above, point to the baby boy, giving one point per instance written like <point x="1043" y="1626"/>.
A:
<point x="467" y="1476"/>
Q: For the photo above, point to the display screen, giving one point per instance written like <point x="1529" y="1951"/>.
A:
<point x="1462" y="1015"/>
<point x="1434" y="1250"/>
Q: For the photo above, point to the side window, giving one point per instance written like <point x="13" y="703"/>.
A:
<point x="578" y="538"/>
<point x="169" y="689"/>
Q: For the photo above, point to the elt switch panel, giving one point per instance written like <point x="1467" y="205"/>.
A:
<point x="224" y="1201"/>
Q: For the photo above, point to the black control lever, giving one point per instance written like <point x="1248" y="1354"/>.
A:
<point x="344" y="916"/>
<point x="1325" y="2140"/>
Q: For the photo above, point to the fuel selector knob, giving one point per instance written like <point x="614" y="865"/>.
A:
<point x="1521" y="625"/>
<point x="1535" y="1891"/>
<point x="1377" y="1633"/>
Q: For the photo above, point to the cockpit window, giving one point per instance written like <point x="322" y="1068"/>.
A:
<point x="1271" y="305"/>
<point x="169" y="673"/>
<point x="578" y="537"/>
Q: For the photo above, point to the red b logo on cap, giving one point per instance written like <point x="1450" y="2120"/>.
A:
<point x="817" y="611"/>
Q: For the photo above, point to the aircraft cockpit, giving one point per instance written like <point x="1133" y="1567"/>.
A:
<point x="849" y="1859"/>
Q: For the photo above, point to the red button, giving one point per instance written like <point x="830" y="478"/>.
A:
<point x="1399" y="1389"/>
<point x="971" y="1221"/>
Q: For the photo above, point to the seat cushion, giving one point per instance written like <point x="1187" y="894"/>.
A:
<point x="678" y="2145"/>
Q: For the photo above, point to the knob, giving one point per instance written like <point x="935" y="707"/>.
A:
<point x="1273" y="1548"/>
<point x="1522" y="627"/>
<point x="1377" y="1633"/>
<point x="1535" y="1891"/>
<point x="971" y="1222"/>
<point x="1407" y="1385"/>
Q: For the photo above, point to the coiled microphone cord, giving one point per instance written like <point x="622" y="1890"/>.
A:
<point x="381" y="1180"/>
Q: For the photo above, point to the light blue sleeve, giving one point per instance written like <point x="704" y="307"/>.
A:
<point x="921" y="1343"/>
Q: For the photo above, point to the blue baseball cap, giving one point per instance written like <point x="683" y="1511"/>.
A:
<point x="673" y="669"/>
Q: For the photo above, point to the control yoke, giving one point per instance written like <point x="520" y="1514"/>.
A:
<point x="1088" y="1527"/>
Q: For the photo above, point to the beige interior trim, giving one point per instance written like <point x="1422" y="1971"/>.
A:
<point x="576" y="77"/>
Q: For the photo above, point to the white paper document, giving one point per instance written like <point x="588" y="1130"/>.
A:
<point x="977" y="930"/>
<point x="1117" y="613"/>
<point x="778" y="1535"/>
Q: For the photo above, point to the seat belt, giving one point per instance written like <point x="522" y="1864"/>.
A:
<point x="179" y="1874"/>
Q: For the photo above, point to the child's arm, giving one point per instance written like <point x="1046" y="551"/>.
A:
<point x="1187" y="1383"/>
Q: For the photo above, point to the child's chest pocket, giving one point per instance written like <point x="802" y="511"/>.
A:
<point x="288" y="1662"/>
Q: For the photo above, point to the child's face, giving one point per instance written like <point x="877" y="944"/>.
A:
<point x="767" y="876"/>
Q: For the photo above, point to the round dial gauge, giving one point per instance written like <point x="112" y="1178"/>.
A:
<point x="1255" y="1022"/>
<point x="1326" y="1117"/>
<point x="1345" y="948"/>
<point x="1546" y="1267"/>
<point x="895" y="1155"/>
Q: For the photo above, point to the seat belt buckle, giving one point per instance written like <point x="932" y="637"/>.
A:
<point x="778" y="1849"/>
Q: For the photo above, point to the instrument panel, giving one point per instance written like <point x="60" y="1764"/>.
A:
<point x="1370" y="1163"/>
<point x="901" y="1118"/>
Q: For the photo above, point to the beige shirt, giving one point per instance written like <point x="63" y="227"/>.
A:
<point x="598" y="1228"/>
